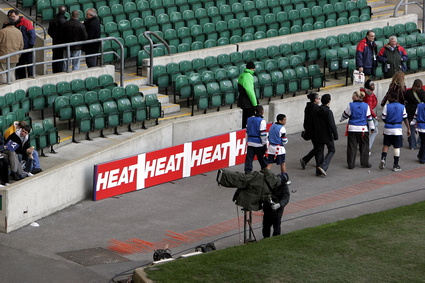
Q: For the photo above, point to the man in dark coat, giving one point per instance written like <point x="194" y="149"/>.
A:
<point x="273" y="211"/>
<point x="92" y="25"/>
<point x="56" y="33"/>
<point x="325" y="134"/>
<point x="308" y="125"/>
<point x="75" y="31"/>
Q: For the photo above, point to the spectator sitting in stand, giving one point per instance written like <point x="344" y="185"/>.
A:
<point x="24" y="151"/>
<point x="16" y="127"/>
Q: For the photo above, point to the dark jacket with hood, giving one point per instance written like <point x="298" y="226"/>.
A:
<point x="247" y="98"/>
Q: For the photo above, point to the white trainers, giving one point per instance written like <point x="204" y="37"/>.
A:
<point x="382" y="164"/>
<point x="396" y="168"/>
<point x="29" y="174"/>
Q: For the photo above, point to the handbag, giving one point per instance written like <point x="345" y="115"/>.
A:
<point x="358" y="77"/>
<point x="305" y="136"/>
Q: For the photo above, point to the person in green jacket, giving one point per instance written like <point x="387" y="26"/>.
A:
<point x="247" y="99"/>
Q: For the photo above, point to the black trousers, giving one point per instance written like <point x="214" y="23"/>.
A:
<point x="249" y="158"/>
<point x="312" y="153"/>
<point x="362" y="141"/>
<point x="322" y="160"/>
<point x="272" y="219"/>
<point x="58" y="67"/>
<point x="91" y="61"/>
<point x="246" y="113"/>
<point x="4" y="170"/>
<point x="26" y="58"/>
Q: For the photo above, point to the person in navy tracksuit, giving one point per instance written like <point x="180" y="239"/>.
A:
<point x="393" y="114"/>
<point x="366" y="53"/>
<point x="359" y="115"/>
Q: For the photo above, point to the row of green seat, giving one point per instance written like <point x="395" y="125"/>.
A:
<point x="92" y="111"/>
<point x="309" y="50"/>
<point x="214" y="89"/>
<point x="187" y="42"/>
<point x="44" y="134"/>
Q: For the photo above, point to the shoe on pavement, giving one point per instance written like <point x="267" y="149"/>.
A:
<point x="396" y="168"/>
<point x="288" y="183"/>
<point x="302" y="162"/>
<point x="367" y="166"/>
<point x="382" y="164"/>
<point x="322" y="171"/>
<point x="29" y="174"/>
<point x="36" y="171"/>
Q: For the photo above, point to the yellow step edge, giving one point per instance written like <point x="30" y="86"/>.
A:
<point x="173" y="117"/>
<point x="332" y="86"/>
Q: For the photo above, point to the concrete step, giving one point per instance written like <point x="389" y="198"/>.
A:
<point x="383" y="9"/>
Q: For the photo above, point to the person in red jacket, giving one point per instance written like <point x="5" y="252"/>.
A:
<point x="366" y="52"/>
<point x="28" y="35"/>
<point x="372" y="101"/>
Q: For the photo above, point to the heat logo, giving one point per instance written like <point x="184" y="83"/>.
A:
<point x="161" y="166"/>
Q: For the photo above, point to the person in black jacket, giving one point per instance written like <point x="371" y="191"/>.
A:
<point x="308" y="133"/>
<point x="24" y="151"/>
<point x="92" y="25"/>
<point x="325" y="134"/>
<point x="56" y="33"/>
<point x="75" y="31"/>
<point x="413" y="97"/>
<point x="273" y="211"/>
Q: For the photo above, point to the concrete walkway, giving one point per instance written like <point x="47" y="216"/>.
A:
<point x="95" y="241"/>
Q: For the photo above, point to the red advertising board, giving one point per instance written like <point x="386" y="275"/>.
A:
<point x="164" y="165"/>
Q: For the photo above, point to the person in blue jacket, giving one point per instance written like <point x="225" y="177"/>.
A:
<point x="359" y="117"/>
<point x="277" y="140"/>
<point x="366" y="53"/>
<point x="256" y="138"/>
<point x="393" y="114"/>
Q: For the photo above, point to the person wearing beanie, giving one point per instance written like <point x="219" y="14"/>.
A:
<point x="56" y="33"/>
<point x="325" y="133"/>
<point x="247" y="99"/>
<point x="372" y="101"/>
<point x="273" y="210"/>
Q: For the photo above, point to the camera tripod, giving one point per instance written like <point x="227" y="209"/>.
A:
<point x="247" y="224"/>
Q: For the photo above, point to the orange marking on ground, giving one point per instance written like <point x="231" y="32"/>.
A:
<point x="232" y="224"/>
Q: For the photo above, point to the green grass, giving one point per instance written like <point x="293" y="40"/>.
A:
<point x="382" y="247"/>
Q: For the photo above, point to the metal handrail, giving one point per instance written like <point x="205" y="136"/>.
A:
<point x="28" y="17"/>
<point x="409" y="3"/>
<point x="150" y="51"/>
<point x="68" y="57"/>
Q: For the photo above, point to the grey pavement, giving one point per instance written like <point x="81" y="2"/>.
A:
<point x="185" y="213"/>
